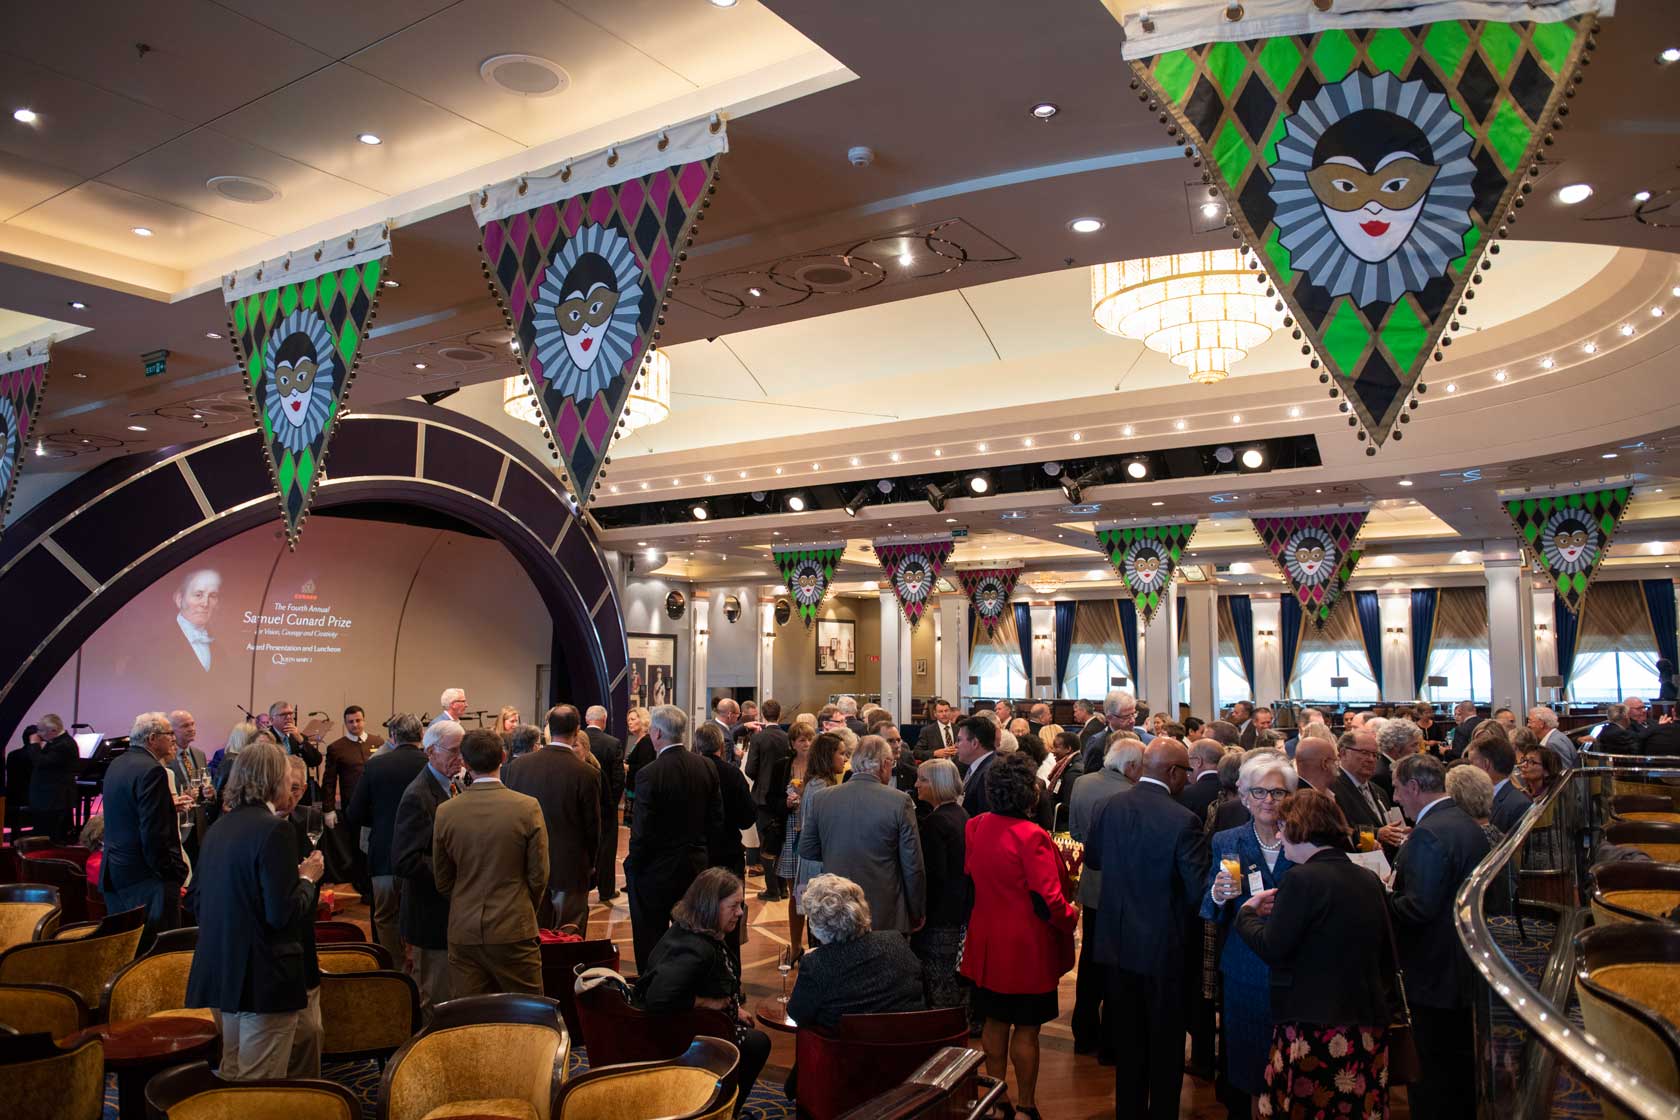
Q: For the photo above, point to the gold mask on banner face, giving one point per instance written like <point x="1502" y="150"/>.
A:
<point x="1398" y="184"/>
<point x="591" y="310"/>
<point x="296" y="378"/>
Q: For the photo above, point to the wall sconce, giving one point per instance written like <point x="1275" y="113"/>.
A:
<point x="1267" y="633"/>
<point x="1542" y="627"/>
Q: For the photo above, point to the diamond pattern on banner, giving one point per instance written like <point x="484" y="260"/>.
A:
<point x="21" y="391"/>
<point x="912" y="567"/>
<point x="808" y="570"/>
<point x="584" y="281"/>
<point x="1147" y="559"/>
<point x="1316" y="554"/>
<point x="298" y="344"/>
<point x="1566" y="536"/>
<point x="1369" y="172"/>
<point x="988" y="591"/>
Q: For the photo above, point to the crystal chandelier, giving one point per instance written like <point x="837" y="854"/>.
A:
<point x="649" y="403"/>
<point x="1203" y="310"/>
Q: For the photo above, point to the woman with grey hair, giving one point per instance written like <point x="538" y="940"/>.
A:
<point x="1246" y="860"/>
<point x="938" y="944"/>
<point x="852" y="970"/>
<point x="1472" y="790"/>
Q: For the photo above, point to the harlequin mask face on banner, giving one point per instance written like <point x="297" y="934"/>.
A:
<point x="591" y="293"/>
<point x="1570" y="542"/>
<point x="1311" y="559"/>
<point x="586" y="312"/>
<point x="1372" y="197"/>
<point x="299" y="368"/>
<point x="1145" y="569"/>
<point x="913" y="579"/>
<point x="808" y="583"/>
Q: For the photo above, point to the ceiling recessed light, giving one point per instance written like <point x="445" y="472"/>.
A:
<point x="855" y="460"/>
<point x="939" y="453"/>
<point x="1627" y="330"/>
<point x="1547" y="363"/>
<point x="1179" y="424"/>
<point x="740" y="474"/>
<point x="141" y="231"/>
<point x="1642" y="196"/>
<point x="1157" y="503"/>
<point x="755" y="292"/>
<point x="1405" y="482"/>
<point x="1211" y="210"/>
<point x="1236" y="418"/>
<point x="1126" y="431"/>
<point x="79" y="375"/>
<point x="1609" y="455"/>
<point x="137" y="427"/>
<point x="1589" y="348"/>
<point x="723" y="3"/>
<point x="1675" y="291"/>
<point x="894" y="456"/>
<point x="1137" y="468"/>
<point x="390" y="284"/>
<point x="1077" y="436"/>
<point x="1573" y="193"/>
<point x="212" y="334"/>
<point x="1295" y="411"/>
<point x="905" y="260"/>
<point x="1669" y="54"/>
<point x="708" y="478"/>
<point x="981" y="446"/>
<point x="1452" y="386"/>
<point x="644" y="486"/>
<point x="1027" y="442"/>
<point x="77" y="305"/>
<point x="1086" y="225"/>
<point x="419" y="365"/>
<point x="778" y="470"/>
<point x="371" y="139"/>
<point x="614" y="489"/>
<point x="1044" y="110"/>
<point x="1656" y="312"/>
<point x="25" y="116"/>
<point x="1252" y="458"/>
<point x="1500" y="375"/>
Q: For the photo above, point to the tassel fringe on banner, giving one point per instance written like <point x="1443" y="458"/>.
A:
<point x="1566" y="535"/>
<point x="988" y="588"/>
<point x="808" y="571"/>
<point x="912" y="566"/>
<point x="1147" y="559"/>
<point x="23" y="385"/>
<point x="1316" y="554"/>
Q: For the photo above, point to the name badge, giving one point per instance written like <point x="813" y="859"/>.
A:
<point x="1255" y="883"/>
<point x="1394" y="815"/>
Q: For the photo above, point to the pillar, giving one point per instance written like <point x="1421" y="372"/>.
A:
<point x="700" y="606"/>
<point x="1159" y="653"/>
<point x="952" y="648"/>
<point x="1510" y="615"/>
<point x="1395" y="610"/>
<point x="765" y="678"/>
<point x="1268" y="649"/>
<point x="895" y="657"/>
<point x="1202" y="601"/>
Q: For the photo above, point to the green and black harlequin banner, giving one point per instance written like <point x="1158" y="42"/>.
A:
<point x="808" y="570"/>
<point x="1146" y="558"/>
<point x="1369" y="169"/>
<point x="1566" y="536"/>
<point x="298" y="340"/>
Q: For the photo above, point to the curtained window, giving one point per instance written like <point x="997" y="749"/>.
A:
<point x="1231" y="684"/>
<point x="1099" y="649"/>
<point x="1336" y="651"/>
<point x="1615" y="650"/>
<point x="997" y="660"/>
<point x="1460" y="651"/>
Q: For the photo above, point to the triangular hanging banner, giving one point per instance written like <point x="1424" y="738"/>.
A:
<point x="808" y="570"/>
<point x="581" y="259"/>
<point x="1146" y="558"/>
<point x="1366" y="164"/>
<point x="297" y="325"/>
<point x="1565" y="536"/>
<point x="988" y="588"/>
<point x="912" y="566"/>
<point x="23" y="382"/>
<point x="1316" y="552"/>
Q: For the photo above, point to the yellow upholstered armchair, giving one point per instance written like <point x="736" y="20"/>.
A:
<point x="1634" y="891"/>
<point x="692" y="1086"/>
<point x="358" y="957"/>
<point x="1626" y="976"/>
<point x="42" y="1009"/>
<point x="28" y="912"/>
<point x="153" y="985"/>
<point x="81" y="964"/>
<point x="497" y="1055"/>
<point x="1658" y="839"/>
<point x="40" y="1081"/>
<point x="367" y="1014"/>
<point x="192" y="1092"/>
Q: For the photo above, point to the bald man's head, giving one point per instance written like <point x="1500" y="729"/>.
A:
<point x="1168" y="762"/>
<point x="1315" y="762"/>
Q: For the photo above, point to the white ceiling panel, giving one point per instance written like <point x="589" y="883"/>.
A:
<point x="176" y="173"/>
<point x="202" y="59"/>
<point x="335" y="27"/>
<point x="81" y="128"/>
<point x="101" y="217"/>
<point x="316" y="122"/>
<point x="25" y="183"/>
<point x="697" y="39"/>
<point x="439" y="60"/>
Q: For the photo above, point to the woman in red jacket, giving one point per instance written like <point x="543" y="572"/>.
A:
<point x="1020" y="933"/>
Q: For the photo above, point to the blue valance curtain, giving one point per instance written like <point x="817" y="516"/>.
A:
<point x="1242" y="621"/>
<point x="1369" y="611"/>
<point x="1424" y="602"/>
<point x="1128" y="633"/>
<point x="1567" y="628"/>
<point x="1023" y="636"/>
<point x="1659" y="602"/>
<point x="1289" y="638"/>
<point x="1064" y="641"/>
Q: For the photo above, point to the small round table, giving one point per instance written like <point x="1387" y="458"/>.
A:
<point x="139" y="1048"/>
<point x="772" y="1015"/>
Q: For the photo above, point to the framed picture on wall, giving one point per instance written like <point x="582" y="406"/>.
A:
<point x="653" y="669"/>
<point x="921" y="666"/>
<point x="836" y="645"/>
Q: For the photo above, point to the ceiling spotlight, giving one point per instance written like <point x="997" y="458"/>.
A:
<point x="137" y="427"/>
<point x="1210" y="210"/>
<point x="1253" y="458"/>
<point x="700" y="511"/>
<point x="1236" y="418"/>
<point x="1589" y="348"/>
<point x="1157" y="503"/>
<point x="857" y="501"/>
<point x="1669" y="54"/>
<point x="796" y="503"/>
<point x="980" y="483"/>
<point x="1071" y="488"/>
<point x="1179" y="425"/>
<point x="1501" y="375"/>
<point x="938" y="495"/>
<point x="756" y="293"/>
<point x="1642" y="196"/>
<point x="25" y="116"/>
<point x="1610" y="455"/>
<point x="884" y="485"/>
<point x="1574" y="193"/>
<point x="1138" y="468"/>
<point x="1627" y="330"/>
<point x="1044" y="110"/>
<point x="894" y="456"/>
<point x="419" y="365"/>
<point x="1086" y="225"/>
<point x="77" y="305"/>
<point x="905" y="260"/>
<point x="855" y="461"/>
<point x="1223" y="455"/>
<point x="1405" y="482"/>
<point x="212" y="334"/>
<point x="1656" y="312"/>
<point x="1077" y="436"/>
<point x="1452" y="386"/>
<point x="981" y="446"/>
<point x="1295" y="412"/>
<point x="371" y="139"/>
<point x="142" y="231"/>
<point x="390" y="284"/>
<point x="939" y="453"/>
<point x="1027" y="442"/>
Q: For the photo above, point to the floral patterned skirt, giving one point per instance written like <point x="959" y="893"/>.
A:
<point x="1327" y="1073"/>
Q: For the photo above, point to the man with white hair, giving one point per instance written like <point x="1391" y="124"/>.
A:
<point x="1120" y="710"/>
<point x="1203" y="787"/>
<point x="848" y="706"/>
<point x="866" y="831"/>
<point x="454" y="705"/>
<point x="424" y="910"/>
<point x="189" y="764"/>
<point x="1122" y="765"/>
<point x="1464" y="724"/>
<point x="143" y="865"/>
<point x="1544" y="723"/>
<point x="609" y="752"/>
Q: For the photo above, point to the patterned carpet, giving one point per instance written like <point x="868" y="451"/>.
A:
<point x="1529" y="948"/>
<point x="362" y="1078"/>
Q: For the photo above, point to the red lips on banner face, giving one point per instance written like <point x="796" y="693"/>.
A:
<point x="586" y="344"/>
<point x="296" y="405"/>
<point x="1374" y="228"/>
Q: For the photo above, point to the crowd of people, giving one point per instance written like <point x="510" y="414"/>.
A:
<point x="1217" y="893"/>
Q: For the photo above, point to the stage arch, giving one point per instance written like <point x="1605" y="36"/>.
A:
<point x="70" y="563"/>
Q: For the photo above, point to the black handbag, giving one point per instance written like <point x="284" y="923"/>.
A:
<point x="1405" y="1066"/>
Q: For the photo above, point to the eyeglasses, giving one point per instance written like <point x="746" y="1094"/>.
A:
<point x="1268" y="794"/>
<point x="1359" y="750"/>
<point x="1180" y="766"/>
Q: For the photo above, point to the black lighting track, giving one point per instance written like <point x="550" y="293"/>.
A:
<point x="1030" y="477"/>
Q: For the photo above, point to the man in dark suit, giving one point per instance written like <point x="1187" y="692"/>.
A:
<point x="1242" y="714"/>
<point x="1444" y="846"/>
<point x="939" y="738"/>
<point x="678" y="805"/>
<point x="1154" y="862"/>
<point x="1464" y="724"/>
<point x="866" y="831"/>
<point x="1315" y="765"/>
<point x="143" y="864"/>
<point x="976" y="747"/>
<point x="1497" y="758"/>
<point x="1362" y="803"/>
<point x="52" y="781"/>
<point x="1085" y="715"/>
<point x="1120" y="717"/>
<point x="1618" y="736"/>
<point x="283" y="729"/>
<point x="425" y="910"/>
<point x="609" y="752"/>
<point x="767" y="753"/>
<point x="1202" y="789"/>
<point x="490" y="856"/>
<point x="373" y="806"/>
<point x="189" y="765"/>
<point x="569" y="791"/>
<point x="848" y="706"/>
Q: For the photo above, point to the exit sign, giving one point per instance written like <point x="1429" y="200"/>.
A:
<point x="156" y="361"/>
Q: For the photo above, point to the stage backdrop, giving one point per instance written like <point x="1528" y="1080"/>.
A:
<point x="364" y="612"/>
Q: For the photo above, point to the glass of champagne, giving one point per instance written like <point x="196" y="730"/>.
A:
<point x="784" y="965"/>
<point x="314" y="823"/>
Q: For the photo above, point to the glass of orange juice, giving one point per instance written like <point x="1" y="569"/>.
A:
<point x="1233" y="868"/>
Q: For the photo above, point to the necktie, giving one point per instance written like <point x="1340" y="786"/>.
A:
<point x="1371" y="799"/>
<point x="454" y="787"/>
<point x="945" y="733"/>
